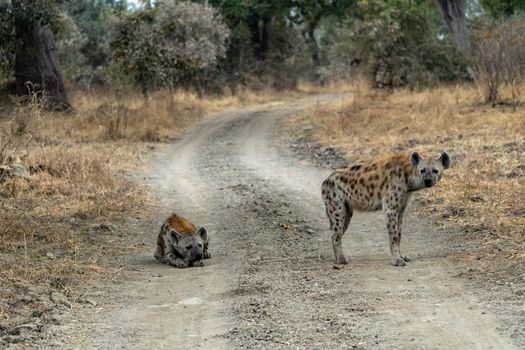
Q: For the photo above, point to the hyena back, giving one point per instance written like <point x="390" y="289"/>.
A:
<point x="385" y="183"/>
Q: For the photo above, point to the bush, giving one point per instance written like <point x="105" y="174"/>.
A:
<point x="500" y="58"/>
<point x="168" y="44"/>
<point x="401" y="43"/>
<point x="7" y="44"/>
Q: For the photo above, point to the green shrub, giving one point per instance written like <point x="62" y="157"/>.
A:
<point x="402" y="43"/>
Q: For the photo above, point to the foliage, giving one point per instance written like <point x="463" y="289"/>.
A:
<point x="7" y="43"/>
<point x="21" y="11"/>
<point x="500" y="58"/>
<point x="275" y="41"/>
<point x="171" y="41"/>
<point x="95" y="20"/>
<point x="89" y="30"/>
<point x="255" y="42"/>
<point x="46" y="12"/>
<point x="401" y="42"/>
<point x="503" y="8"/>
<point x="69" y="45"/>
<point x="309" y="14"/>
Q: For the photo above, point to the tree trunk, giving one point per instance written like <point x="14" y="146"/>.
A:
<point x="453" y="12"/>
<point x="316" y="60"/>
<point x="36" y="67"/>
<point x="259" y="30"/>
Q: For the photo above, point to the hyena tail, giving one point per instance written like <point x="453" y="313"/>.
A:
<point x="328" y="188"/>
<point x="333" y="198"/>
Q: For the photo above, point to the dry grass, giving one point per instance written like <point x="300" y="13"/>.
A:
<point x="483" y="194"/>
<point x="61" y="221"/>
<point x="62" y="224"/>
<point x="103" y="117"/>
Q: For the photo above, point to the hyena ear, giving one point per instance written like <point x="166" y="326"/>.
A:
<point x="445" y="160"/>
<point x="415" y="158"/>
<point x="203" y="233"/>
<point x="175" y="235"/>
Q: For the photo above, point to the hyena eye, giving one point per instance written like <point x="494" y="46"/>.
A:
<point x="435" y="171"/>
<point x="200" y="245"/>
<point x="188" y="247"/>
<point x="422" y="171"/>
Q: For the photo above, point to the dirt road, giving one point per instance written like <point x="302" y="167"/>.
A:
<point x="271" y="283"/>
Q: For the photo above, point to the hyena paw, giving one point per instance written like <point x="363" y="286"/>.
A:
<point x="180" y="263"/>
<point x="398" y="262"/>
<point x="177" y="262"/>
<point x="341" y="260"/>
<point x="406" y="258"/>
<point x="198" y="263"/>
<point x="206" y="255"/>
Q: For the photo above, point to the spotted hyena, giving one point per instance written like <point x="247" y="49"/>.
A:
<point x="180" y="244"/>
<point x="384" y="183"/>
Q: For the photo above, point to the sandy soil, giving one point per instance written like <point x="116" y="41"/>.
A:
<point x="271" y="282"/>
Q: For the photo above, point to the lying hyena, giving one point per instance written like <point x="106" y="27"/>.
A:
<point x="384" y="183"/>
<point x="180" y="244"/>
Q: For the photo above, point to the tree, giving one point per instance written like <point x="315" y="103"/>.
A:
<point x="453" y="13"/>
<point x="70" y="42"/>
<point x="399" y="43"/>
<point x="35" y="64"/>
<point x="7" y="42"/>
<point x="310" y="13"/>
<point x="167" y="44"/>
<point x="265" y="46"/>
<point x="95" y="20"/>
<point x="503" y="8"/>
<point x="250" y="23"/>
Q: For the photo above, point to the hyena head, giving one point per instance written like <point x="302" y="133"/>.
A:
<point x="190" y="246"/>
<point x="428" y="171"/>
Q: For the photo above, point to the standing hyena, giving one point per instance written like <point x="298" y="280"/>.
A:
<point x="384" y="183"/>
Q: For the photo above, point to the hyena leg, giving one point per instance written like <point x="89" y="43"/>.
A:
<point x="392" y="224"/>
<point x="174" y="260"/>
<point x="400" y="227"/>
<point x="158" y="253"/>
<point x="339" y="213"/>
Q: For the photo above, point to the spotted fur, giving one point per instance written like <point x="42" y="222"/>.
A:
<point x="385" y="183"/>
<point x="181" y="244"/>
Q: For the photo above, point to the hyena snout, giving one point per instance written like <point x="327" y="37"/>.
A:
<point x="195" y="253"/>
<point x="430" y="179"/>
<point x="198" y="256"/>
